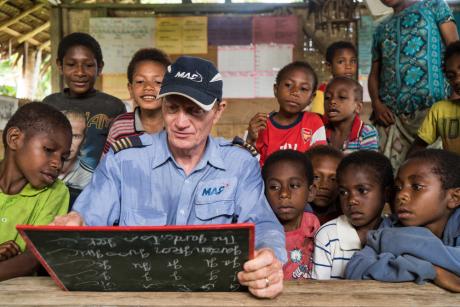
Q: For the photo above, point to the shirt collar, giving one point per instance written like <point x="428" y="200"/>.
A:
<point x="348" y="236"/>
<point x="356" y="127"/>
<point x="212" y="154"/>
<point x="29" y="190"/>
<point x="89" y="93"/>
<point x="137" y="120"/>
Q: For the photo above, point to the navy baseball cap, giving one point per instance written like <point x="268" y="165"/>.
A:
<point x="194" y="78"/>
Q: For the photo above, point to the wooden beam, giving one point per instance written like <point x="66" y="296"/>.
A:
<point x="32" y="33"/>
<point x="30" y="40"/>
<point x="2" y="2"/>
<point x="46" y="45"/>
<point x="20" y="16"/>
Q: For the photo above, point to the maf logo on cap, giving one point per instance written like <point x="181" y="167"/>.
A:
<point x="195" y="77"/>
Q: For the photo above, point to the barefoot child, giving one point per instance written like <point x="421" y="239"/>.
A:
<point x="365" y="180"/>
<point x="343" y="100"/>
<point x="145" y="74"/>
<point x="428" y="248"/>
<point x="325" y="159"/>
<point x="37" y="140"/>
<point x="290" y="127"/>
<point x="288" y="177"/>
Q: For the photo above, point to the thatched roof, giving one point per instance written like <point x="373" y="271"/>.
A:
<point x="24" y="21"/>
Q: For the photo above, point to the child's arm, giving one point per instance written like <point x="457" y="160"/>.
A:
<point x="382" y="114"/>
<point x="447" y="280"/>
<point x="448" y="32"/>
<point x="257" y="123"/>
<point x="21" y="265"/>
<point x="322" y="258"/>
<point x="8" y="250"/>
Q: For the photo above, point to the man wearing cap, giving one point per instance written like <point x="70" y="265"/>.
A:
<point x="183" y="176"/>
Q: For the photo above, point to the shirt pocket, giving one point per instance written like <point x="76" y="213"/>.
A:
<point x="214" y="201"/>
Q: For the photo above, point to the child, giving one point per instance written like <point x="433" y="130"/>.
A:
<point x="73" y="174"/>
<point x="343" y="100"/>
<point x="325" y="160"/>
<point x="145" y="74"/>
<point x="406" y="74"/>
<point x="288" y="177"/>
<point x="79" y="59"/>
<point x="426" y="202"/>
<point x="290" y="127"/>
<point x="342" y="61"/>
<point x="37" y="140"/>
<point x="365" y="180"/>
<point x="443" y="119"/>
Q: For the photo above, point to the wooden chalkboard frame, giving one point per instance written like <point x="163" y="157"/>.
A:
<point x="24" y="229"/>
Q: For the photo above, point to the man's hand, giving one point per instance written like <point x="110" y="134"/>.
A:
<point x="257" y="123"/>
<point x="70" y="219"/>
<point x="382" y="114"/>
<point x="263" y="275"/>
<point x="8" y="250"/>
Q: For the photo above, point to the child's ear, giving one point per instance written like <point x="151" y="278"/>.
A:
<point x="359" y="106"/>
<point x="454" y="198"/>
<point x="329" y="66"/>
<point x="59" y="65"/>
<point x="275" y="90"/>
<point x="14" y="138"/>
<point x="130" y="90"/>
<point x="312" y="193"/>
<point x="100" y="66"/>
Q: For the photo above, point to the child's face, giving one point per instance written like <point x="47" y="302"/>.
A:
<point x="344" y="63"/>
<point x="453" y="75"/>
<point x="78" y="136"/>
<point x="39" y="158"/>
<point x="324" y="169"/>
<point x="147" y="78"/>
<point x="340" y="103"/>
<point x="420" y="199"/>
<point x="294" y="91"/>
<point x="361" y="196"/>
<point x="80" y="70"/>
<point x="287" y="190"/>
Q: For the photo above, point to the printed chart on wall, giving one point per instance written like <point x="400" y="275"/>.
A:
<point x="120" y="38"/>
<point x="249" y="71"/>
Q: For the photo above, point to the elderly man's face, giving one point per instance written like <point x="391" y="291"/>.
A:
<point x="188" y="125"/>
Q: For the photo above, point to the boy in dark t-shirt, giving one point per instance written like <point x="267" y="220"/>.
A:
<point x="80" y="62"/>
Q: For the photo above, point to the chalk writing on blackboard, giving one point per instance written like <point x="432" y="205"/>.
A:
<point x="193" y="258"/>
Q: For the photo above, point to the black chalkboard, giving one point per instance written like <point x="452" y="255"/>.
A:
<point x="169" y="258"/>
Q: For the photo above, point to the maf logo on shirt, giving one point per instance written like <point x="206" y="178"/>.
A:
<point x="306" y="135"/>
<point x="209" y="191"/>
<point x="213" y="190"/>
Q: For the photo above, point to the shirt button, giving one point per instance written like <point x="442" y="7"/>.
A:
<point x="4" y="220"/>
<point x="182" y="212"/>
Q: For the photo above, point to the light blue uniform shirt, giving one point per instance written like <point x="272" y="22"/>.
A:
<point x="146" y="186"/>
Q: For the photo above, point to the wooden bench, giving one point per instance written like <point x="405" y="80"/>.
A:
<point x="42" y="291"/>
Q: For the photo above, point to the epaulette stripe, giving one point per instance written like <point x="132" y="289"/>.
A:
<point x="241" y="143"/>
<point x="127" y="142"/>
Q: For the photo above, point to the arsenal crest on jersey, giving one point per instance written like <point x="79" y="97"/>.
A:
<point x="306" y="135"/>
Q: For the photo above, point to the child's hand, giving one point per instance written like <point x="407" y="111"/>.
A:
<point x="8" y="250"/>
<point x="257" y="123"/>
<point x="70" y="219"/>
<point x="447" y="280"/>
<point x="383" y="115"/>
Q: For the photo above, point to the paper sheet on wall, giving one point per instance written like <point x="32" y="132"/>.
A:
<point x="272" y="29"/>
<point x="182" y="35"/>
<point x="120" y="38"/>
<point x="250" y="71"/>
<point x="8" y="105"/>
<point x="116" y="85"/>
<point x="229" y="30"/>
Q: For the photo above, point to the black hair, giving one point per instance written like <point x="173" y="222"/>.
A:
<point x="375" y="162"/>
<point x="80" y="39"/>
<point x="147" y="54"/>
<point x="451" y="50"/>
<point x="334" y="47"/>
<point x="297" y="65"/>
<point x="289" y="155"/>
<point x="357" y="88"/>
<point x="324" y="151"/>
<point x="37" y="117"/>
<point x="446" y="165"/>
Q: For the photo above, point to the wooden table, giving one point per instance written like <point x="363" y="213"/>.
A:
<point x="41" y="291"/>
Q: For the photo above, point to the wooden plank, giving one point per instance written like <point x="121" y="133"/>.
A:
<point x="2" y="2"/>
<point x="34" y="32"/>
<point x="20" y="16"/>
<point x="17" y="34"/>
<point x="41" y="291"/>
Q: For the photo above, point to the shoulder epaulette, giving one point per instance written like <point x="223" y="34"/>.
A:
<point x="127" y="142"/>
<point x="237" y="141"/>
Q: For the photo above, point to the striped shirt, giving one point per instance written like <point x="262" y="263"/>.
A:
<point x="127" y="124"/>
<point x="335" y="244"/>
<point x="362" y="136"/>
